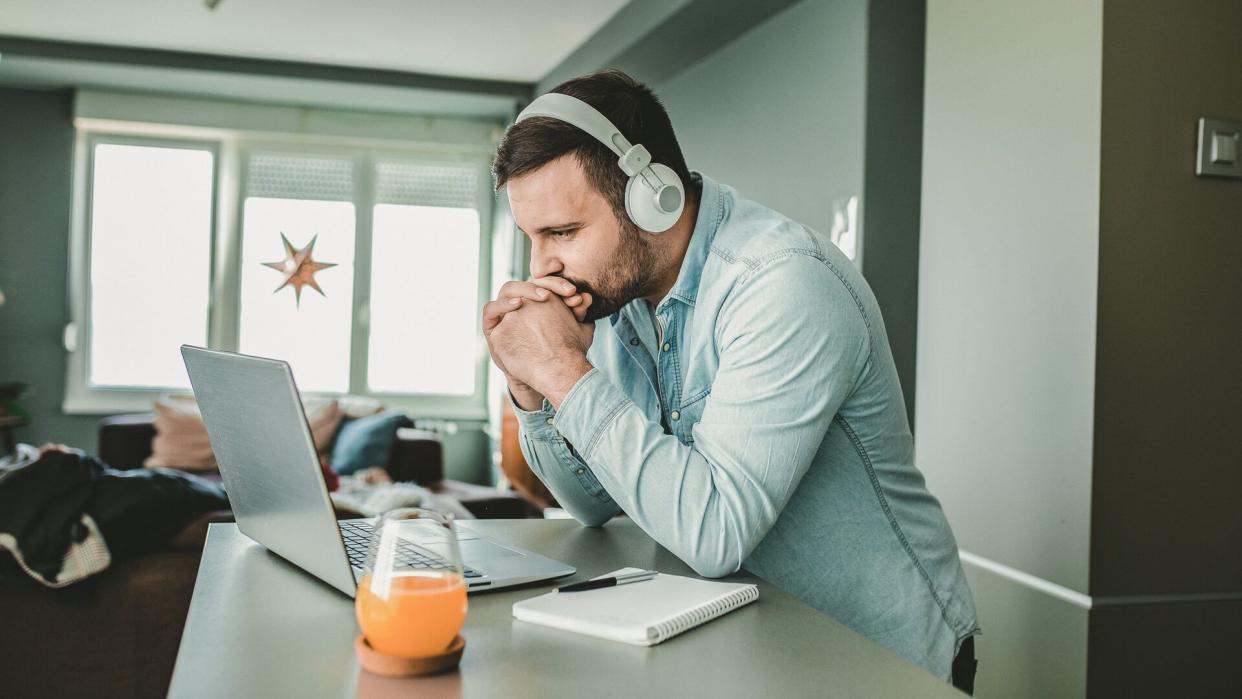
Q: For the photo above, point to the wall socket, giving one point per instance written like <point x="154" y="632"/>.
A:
<point x="1219" y="142"/>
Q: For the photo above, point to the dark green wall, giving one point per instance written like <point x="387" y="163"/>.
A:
<point x="36" y="158"/>
<point x="892" y="174"/>
<point x="1165" y="525"/>
<point x="1168" y="462"/>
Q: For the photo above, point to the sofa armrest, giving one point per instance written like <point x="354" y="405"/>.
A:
<point x="125" y="440"/>
<point x="417" y="455"/>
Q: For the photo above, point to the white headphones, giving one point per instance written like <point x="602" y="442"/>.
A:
<point x="654" y="196"/>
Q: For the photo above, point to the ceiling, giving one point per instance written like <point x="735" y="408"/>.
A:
<point x="514" y="40"/>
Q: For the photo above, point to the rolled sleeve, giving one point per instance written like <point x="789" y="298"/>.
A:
<point x="554" y="461"/>
<point x="538" y="424"/>
<point x="588" y="409"/>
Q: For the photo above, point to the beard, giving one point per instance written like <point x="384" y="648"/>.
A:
<point x="632" y="274"/>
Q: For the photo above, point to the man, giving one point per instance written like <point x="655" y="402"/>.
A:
<point x="737" y="398"/>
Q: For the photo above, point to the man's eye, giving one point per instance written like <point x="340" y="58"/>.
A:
<point x="562" y="234"/>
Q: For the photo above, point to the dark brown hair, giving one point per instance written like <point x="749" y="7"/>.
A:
<point x="631" y="106"/>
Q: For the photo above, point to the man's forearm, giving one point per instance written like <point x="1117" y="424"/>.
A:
<point x="557" y="379"/>
<point x="554" y="462"/>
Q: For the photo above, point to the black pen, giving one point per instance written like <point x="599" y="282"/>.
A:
<point x="637" y="576"/>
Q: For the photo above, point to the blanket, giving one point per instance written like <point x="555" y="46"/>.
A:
<point x="65" y="515"/>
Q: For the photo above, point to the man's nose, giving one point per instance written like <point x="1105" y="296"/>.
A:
<point x="542" y="263"/>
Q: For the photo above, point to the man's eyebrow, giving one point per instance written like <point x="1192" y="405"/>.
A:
<point x="561" y="227"/>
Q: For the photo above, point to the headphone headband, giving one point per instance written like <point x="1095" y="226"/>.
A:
<point x="655" y="211"/>
<point x="572" y="110"/>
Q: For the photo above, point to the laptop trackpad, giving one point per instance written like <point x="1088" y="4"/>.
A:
<point x="475" y="550"/>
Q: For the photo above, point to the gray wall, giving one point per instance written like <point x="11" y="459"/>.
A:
<point x="779" y="112"/>
<point x="36" y="161"/>
<point x="1008" y="278"/>
<point x="1006" y="326"/>
<point x="823" y="102"/>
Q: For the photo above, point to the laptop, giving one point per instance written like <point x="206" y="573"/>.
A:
<point x="267" y="459"/>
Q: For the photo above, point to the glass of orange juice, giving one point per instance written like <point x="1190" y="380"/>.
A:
<point x="411" y="602"/>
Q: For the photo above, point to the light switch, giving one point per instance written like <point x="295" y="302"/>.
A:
<point x="1224" y="148"/>
<point x="1218" y="148"/>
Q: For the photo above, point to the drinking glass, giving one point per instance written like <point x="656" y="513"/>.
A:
<point x="411" y="601"/>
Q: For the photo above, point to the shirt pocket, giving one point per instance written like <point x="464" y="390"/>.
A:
<point x="689" y="414"/>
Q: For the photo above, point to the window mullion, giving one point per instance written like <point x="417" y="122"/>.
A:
<point x="486" y="208"/>
<point x="226" y="268"/>
<point x="364" y="206"/>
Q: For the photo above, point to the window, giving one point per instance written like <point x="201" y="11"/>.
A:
<point x="423" y="307"/>
<point x="150" y="252"/>
<point x="302" y="199"/>
<point x="185" y="242"/>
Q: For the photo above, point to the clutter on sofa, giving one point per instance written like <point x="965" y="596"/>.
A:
<point x="65" y="515"/>
<point x="371" y="492"/>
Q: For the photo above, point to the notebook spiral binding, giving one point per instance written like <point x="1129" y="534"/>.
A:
<point x="684" y="622"/>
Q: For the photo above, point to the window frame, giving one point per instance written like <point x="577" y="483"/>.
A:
<point x="231" y="153"/>
<point x="81" y="396"/>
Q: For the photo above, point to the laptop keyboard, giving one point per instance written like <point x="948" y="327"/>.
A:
<point x="357" y="536"/>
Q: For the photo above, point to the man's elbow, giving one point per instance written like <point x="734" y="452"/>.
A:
<point x="590" y="517"/>
<point x="593" y="520"/>
<point x="718" y="556"/>
<point x="715" y="566"/>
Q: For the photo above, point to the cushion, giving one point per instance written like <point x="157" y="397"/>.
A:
<point x="367" y="441"/>
<point x="181" y="438"/>
<point x="324" y="417"/>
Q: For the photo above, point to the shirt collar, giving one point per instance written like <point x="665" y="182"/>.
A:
<point x="686" y="288"/>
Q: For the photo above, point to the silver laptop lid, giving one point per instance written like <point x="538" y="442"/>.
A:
<point x="267" y="459"/>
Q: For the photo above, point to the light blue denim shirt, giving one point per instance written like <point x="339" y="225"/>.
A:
<point x="765" y="429"/>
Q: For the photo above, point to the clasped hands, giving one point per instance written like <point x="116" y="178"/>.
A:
<point x="537" y="337"/>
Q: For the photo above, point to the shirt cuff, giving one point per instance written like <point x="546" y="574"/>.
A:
<point x="537" y="424"/>
<point x="588" y="409"/>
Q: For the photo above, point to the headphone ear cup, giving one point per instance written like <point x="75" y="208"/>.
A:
<point x="643" y="203"/>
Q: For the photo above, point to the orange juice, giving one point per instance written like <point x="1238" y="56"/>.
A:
<point x="421" y="615"/>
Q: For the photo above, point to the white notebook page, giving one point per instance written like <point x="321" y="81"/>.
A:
<point x="641" y="613"/>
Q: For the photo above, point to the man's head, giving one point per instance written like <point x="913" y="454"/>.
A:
<point x="568" y="194"/>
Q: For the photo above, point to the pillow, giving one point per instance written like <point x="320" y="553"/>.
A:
<point x="181" y="438"/>
<point x="359" y="406"/>
<point x="324" y="417"/>
<point x="367" y="441"/>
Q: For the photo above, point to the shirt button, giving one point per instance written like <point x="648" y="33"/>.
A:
<point x="551" y="420"/>
<point x="634" y="341"/>
<point x="676" y="415"/>
<point x="666" y="347"/>
<point x="580" y="471"/>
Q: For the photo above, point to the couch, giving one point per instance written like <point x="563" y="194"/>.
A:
<point x="117" y="634"/>
<point x="417" y="456"/>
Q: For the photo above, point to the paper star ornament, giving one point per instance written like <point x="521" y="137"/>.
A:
<point x="299" y="268"/>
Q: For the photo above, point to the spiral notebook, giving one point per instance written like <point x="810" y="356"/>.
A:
<point x="643" y="613"/>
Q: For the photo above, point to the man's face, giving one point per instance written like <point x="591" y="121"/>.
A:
<point x="575" y="235"/>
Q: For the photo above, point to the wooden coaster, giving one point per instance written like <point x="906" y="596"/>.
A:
<point x="379" y="663"/>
